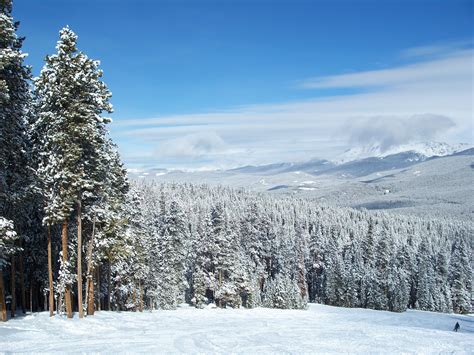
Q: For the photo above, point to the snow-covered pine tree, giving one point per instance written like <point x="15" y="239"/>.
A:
<point x="383" y="255"/>
<point x="461" y="275"/>
<point x="425" y="280"/>
<point x="70" y="98"/>
<point x="170" y="272"/>
<point x="230" y="275"/>
<point x="105" y="213"/>
<point x="315" y="264"/>
<point x="15" y="177"/>
<point x="353" y="264"/>
<point x="8" y="237"/>
<point x="203" y="279"/>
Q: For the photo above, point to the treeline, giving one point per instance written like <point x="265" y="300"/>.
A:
<point x="203" y="245"/>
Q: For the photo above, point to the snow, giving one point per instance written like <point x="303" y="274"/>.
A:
<point x="188" y="330"/>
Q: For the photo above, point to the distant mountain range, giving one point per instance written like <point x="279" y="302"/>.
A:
<point x="363" y="161"/>
<point x="355" y="162"/>
<point x="427" y="149"/>
<point x="428" y="179"/>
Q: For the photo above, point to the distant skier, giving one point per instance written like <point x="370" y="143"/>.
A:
<point x="456" y="327"/>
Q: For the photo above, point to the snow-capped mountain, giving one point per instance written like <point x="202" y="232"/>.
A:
<point x="424" y="149"/>
<point x="356" y="162"/>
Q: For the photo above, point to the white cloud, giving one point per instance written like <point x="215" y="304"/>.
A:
<point x="191" y="146"/>
<point x="427" y="100"/>
<point x="388" y="132"/>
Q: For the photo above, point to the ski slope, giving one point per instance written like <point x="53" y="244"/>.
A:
<point x="188" y="330"/>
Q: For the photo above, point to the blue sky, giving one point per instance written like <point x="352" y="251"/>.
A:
<point x="218" y="83"/>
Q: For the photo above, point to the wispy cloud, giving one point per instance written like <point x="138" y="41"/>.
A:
<point x="450" y="68"/>
<point x="427" y="100"/>
<point x="439" y="49"/>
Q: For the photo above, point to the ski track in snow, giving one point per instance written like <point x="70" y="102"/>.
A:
<point x="320" y="329"/>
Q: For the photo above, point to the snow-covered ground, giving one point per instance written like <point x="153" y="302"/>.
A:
<point x="188" y="330"/>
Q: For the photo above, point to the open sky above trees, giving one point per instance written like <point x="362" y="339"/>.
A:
<point x="227" y="83"/>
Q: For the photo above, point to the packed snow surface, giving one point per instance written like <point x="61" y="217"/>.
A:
<point x="188" y="330"/>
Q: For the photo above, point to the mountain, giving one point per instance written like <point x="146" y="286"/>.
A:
<point x="427" y="149"/>
<point x="362" y="161"/>
<point x="363" y="167"/>
<point x="414" y="182"/>
<point x="311" y="167"/>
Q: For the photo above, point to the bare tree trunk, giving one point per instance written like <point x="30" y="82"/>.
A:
<point x="134" y="298"/>
<point x="3" y="304"/>
<point x="109" y="287"/>
<point x="98" y="287"/>
<point x="219" y="301"/>
<point x="13" y="288"/>
<point x="22" y="284"/>
<point x="90" y="295"/>
<point x="31" y="298"/>
<point x="67" y="292"/>
<point x="79" y="260"/>
<point x="50" y="275"/>
<point x="90" y="275"/>
<point x="140" y="288"/>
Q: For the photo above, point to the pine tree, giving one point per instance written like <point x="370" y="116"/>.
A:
<point x="461" y="276"/>
<point x="231" y="280"/>
<point x="15" y="179"/>
<point x="203" y="280"/>
<point x="170" y="272"/>
<point x="425" y="281"/>
<point x="382" y="271"/>
<point x="8" y="237"/>
<point x="70" y="98"/>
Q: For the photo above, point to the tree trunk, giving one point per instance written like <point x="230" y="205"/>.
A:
<point x="302" y="279"/>
<point x="219" y="303"/>
<point x="3" y="304"/>
<point x="79" y="260"/>
<point x="98" y="286"/>
<point x="67" y="292"/>
<point x="90" y="275"/>
<point x="140" y="288"/>
<point x="134" y="298"/>
<point x="90" y="294"/>
<point x="22" y="283"/>
<point x="50" y="275"/>
<point x="109" y="287"/>
<point x="31" y="298"/>
<point x="13" y="288"/>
